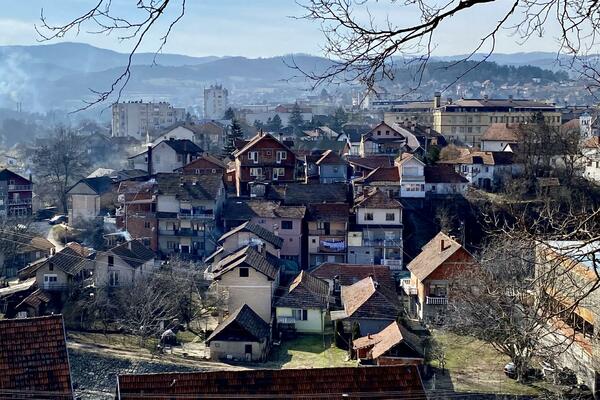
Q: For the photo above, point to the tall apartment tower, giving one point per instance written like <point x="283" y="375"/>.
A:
<point x="137" y="119"/>
<point x="215" y="101"/>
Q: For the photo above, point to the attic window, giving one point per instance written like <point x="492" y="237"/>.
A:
<point x="51" y="267"/>
<point x="244" y="272"/>
<point x="111" y="261"/>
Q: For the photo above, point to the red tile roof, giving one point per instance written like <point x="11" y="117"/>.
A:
<point x="443" y="174"/>
<point x="377" y="199"/>
<point x="501" y="132"/>
<point x="398" y="381"/>
<point x="368" y="299"/>
<point x="349" y="274"/>
<point x="382" y="174"/>
<point x="33" y="358"/>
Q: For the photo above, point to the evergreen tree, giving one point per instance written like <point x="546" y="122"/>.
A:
<point x="339" y="119"/>
<point x="229" y="114"/>
<point x="296" y="121"/>
<point x="258" y="125"/>
<point x="235" y="132"/>
<point x="276" y="124"/>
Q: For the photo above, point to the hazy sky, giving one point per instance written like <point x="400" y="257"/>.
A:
<point x="253" y="28"/>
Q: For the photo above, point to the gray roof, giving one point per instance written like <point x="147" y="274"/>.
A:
<point x="201" y="187"/>
<point x="69" y="260"/>
<point x="100" y="184"/>
<point x="246" y="257"/>
<point x="243" y="318"/>
<point x="310" y="193"/>
<point x="133" y="253"/>
<point x="183" y="146"/>
<point x="258" y="230"/>
<point x="240" y="209"/>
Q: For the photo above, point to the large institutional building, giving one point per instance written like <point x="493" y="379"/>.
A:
<point x="138" y="119"/>
<point x="215" y="102"/>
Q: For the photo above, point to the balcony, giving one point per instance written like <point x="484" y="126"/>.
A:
<point x="18" y="202"/>
<point x="393" y="264"/>
<point x="436" y="301"/>
<point x="332" y="244"/>
<point x="382" y="242"/>
<point x="180" y="232"/>
<point x="55" y="287"/>
<point x="408" y="287"/>
<point x="205" y="214"/>
<point x="20" y="188"/>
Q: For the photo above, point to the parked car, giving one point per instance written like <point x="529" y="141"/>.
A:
<point x="45" y="213"/>
<point x="510" y="370"/>
<point x="58" y="219"/>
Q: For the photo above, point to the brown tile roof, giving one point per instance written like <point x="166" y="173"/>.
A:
<point x="382" y="174"/>
<point x="349" y="274"/>
<point x="384" y="341"/>
<point x="592" y="143"/>
<point x="33" y="357"/>
<point x="443" y="174"/>
<point x="206" y="157"/>
<point x="37" y="243"/>
<point x="196" y="187"/>
<point x="258" y="230"/>
<point x="255" y="140"/>
<point x="249" y="257"/>
<point x="377" y="199"/>
<point x="306" y="291"/>
<point x="372" y="162"/>
<point x="70" y="260"/>
<point x="501" y="132"/>
<point x="404" y="157"/>
<point x="245" y="319"/>
<point x="432" y="255"/>
<point x="35" y="299"/>
<point x="133" y="253"/>
<point x="484" y="158"/>
<point x="398" y="381"/>
<point x="368" y="299"/>
<point x="328" y="212"/>
<point x="239" y="209"/>
<point x="310" y="193"/>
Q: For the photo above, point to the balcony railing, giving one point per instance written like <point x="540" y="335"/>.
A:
<point x="19" y="188"/>
<point x="382" y="242"/>
<point x="207" y="214"/>
<point x="180" y="232"/>
<point x="55" y="286"/>
<point x="391" y="263"/>
<point x="436" y="300"/>
<point x="408" y="287"/>
<point x="18" y="202"/>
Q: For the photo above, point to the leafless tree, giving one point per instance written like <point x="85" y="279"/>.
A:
<point x="16" y="235"/>
<point x="106" y="17"/>
<point x="61" y="162"/>
<point x="366" y="46"/>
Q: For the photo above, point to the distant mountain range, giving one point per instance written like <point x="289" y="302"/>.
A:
<point x="61" y="75"/>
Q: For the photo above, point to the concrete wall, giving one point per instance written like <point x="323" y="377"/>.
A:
<point x="315" y="323"/>
<point x="127" y="274"/>
<point x="241" y="239"/>
<point x="379" y="216"/>
<point x="329" y="173"/>
<point x="219" y="350"/>
<point x="255" y="290"/>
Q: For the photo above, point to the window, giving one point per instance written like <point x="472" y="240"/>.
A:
<point x="147" y="224"/>
<point x="111" y="261"/>
<point x="277" y="172"/>
<point x="287" y="225"/>
<point x="369" y="216"/>
<point x="433" y="188"/>
<point x="253" y="156"/>
<point x="50" y="278"/>
<point x="113" y="278"/>
<point x="300" y="315"/>
<point x="51" y="267"/>
<point x="244" y="272"/>
<point x="255" y="172"/>
<point x="281" y="155"/>
<point x="268" y="153"/>
<point x="390" y="217"/>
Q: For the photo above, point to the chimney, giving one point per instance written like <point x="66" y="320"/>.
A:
<point x="129" y="245"/>
<point x="369" y="335"/>
<point x="437" y="100"/>
<point x="485" y="97"/>
<point x="443" y="245"/>
<point x="149" y="157"/>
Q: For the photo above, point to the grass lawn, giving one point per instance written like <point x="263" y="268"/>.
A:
<point x="476" y="367"/>
<point x="308" y="351"/>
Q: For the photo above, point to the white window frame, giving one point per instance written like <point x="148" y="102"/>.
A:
<point x="281" y="155"/>
<point x="112" y="282"/>
<point x="253" y="156"/>
<point x="256" y="172"/>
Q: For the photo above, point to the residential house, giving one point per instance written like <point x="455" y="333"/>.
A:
<point x="376" y="237"/>
<point x="25" y="251"/>
<point x="386" y="179"/>
<point x="248" y="234"/>
<point x="486" y="169"/>
<point x="166" y="156"/>
<point x="574" y="331"/>
<point x="432" y="274"/>
<point x="338" y="275"/>
<point x="15" y="194"/>
<point x="591" y="159"/>
<point x="498" y="135"/>
<point x="327" y="233"/>
<point x="368" y="304"/>
<point x="304" y="148"/>
<point x="362" y="166"/>
<point x="123" y="264"/>
<point x="383" y="139"/>
<point x="443" y="180"/>
<point x="242" y="336"/>
<point x="263" y="159"/>
<point x="353" y="139"/>
<point x="34" y="362"/>
<point x="305" y="194"/>
<point x="404" y="381"/>
<point x="205" y="164"/>
<point x="331" y="168"/>
<point x="305" y="305"/>
<point x="412" y="176"/>
<point x="284" y="221"/>
<point x="394" y="345"/>
<point x="90" y="198"/>
<point x="424" y="135"/>
<point x="188" y="209"/>
<point x="136" y="213"/>
<point x="247" y="277"/>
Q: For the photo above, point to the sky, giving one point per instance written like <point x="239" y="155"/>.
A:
<point x="254" y="28"/>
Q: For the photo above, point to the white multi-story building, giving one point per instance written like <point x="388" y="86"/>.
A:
<point x="139" y="119"/>
<point x="215" y="101"/>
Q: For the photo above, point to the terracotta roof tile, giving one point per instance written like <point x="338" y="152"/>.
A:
<point x="249" y="257"/>
<point x="243" y="318"/>
<point x="377" y="199"/>
<point x="306" y="291"/>
<point x="382" y="174"/>
<point x="501" y="132"/>
<point x="443" y="174"/>
<point x="387" y="382"/>
<point x="432" y="255"/>
<point x="33" y="357"/>
<point x="258" y="230"/>
<point x="372" y="162"/>
<point x="349" y="274"/>
<point x="368" y="299"/>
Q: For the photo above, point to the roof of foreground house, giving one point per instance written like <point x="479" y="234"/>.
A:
<point x="376" y="199"/>
<point x="433" y="254"/>
<point x="33" y="357"/>
<point x="369" y="300"/>
<point x="243" y="318"/>
<point x="378" y="382"/>
<point x="386" y="339"/>
<point x="348" y="274"/>
<point x="134" y="253"/>
<point x="246" y="256"/>
<point x="306" y="291"/>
